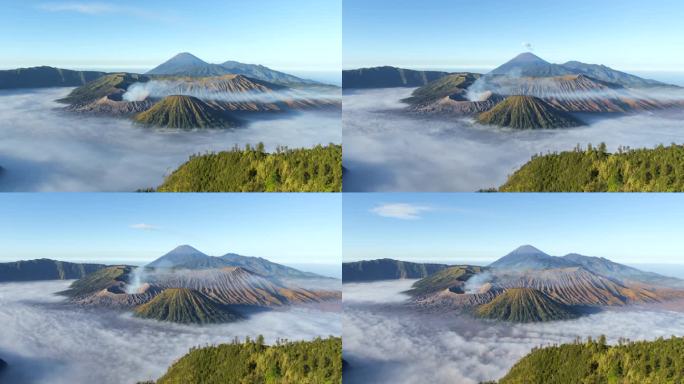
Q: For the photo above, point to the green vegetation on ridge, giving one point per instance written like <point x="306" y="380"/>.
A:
<point x="456" y="83"/>
<point x="595" y="170"/>
<point x="98" y="281"/>
<point x="306" y="362"/>
<point x="644" y="362"/>
<point x="317" y="169"/>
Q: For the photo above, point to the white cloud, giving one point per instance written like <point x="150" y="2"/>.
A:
<point x="528" y="46"/>
<point x="402" y="211"/>
<point x="144" y="226"/>
<point x="45" y="341"/>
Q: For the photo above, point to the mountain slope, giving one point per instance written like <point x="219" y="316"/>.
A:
<point x="261" y="72"/>
<point x="529" y="64"/>
<point x="524" y="305"/>
<point x="602" y="72"/>
<point x="110" y="277"/>
<point x="182" y="305"/>
<point x="387" y="269"/>
<point x="452" y="278"/>
<point x="660" y="169"/>
<point x="266" y="268"/>
<point x="387" y="77"/>
<point x="185" y="112"/>
<point x="112" y="86"/>
<point x="654" y="362"/>
<point x="45" y="269"/>
<point x="316" y="361"/>
<point x="317" y="169"/>
<point x="605" y="267"/>
<point x="41" y="77"/>
<point x="528" y="257"/>
<point x="527" y="112"/>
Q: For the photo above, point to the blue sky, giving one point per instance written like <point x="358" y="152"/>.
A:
<point x="627" y="228"/>
<point x="286" y="35"/>
<point x="624" y="34"/>
<point x="298" y="228"/>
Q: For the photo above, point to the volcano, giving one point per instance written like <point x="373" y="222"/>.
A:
<point x="527" y="112"/>
<point x="185" y="112"/>
<point x="182" y="305"/>
<point x="525" y="305"/>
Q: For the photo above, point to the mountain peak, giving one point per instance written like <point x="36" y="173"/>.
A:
<point x="528" y="57"/>
<point x="184" y="248"/>
<point x="186" y="58"/>
<point x="526" y="249"/>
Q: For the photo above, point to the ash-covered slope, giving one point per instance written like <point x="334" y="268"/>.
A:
<point x="387" y="77"/>
<point x="45" y="269"/>
<point x="185" y="112"/>
<point x="527" y="112"/>
<point x="109" y="288"/>
<point x="525" y="305"/>
<point x="237" y="286"/>
<point x="387" y="269"/>
<point x="183" y="305"/>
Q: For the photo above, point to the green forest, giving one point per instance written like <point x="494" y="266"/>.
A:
<point x="595" y="170"/>
<point x="306" y="362"/>
<point x="251" y="169"/>
<point x="595" y="362"/>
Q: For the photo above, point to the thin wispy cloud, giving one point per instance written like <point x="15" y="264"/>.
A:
<point x="100" y="9"/>
<point x="403" y="211"/>
<point x="144" y="227"/>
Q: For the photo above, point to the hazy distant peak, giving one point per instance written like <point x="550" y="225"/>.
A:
<point x="186" y="58"/>
<point x="528" y="57"/>
<point x="526" y="249"/>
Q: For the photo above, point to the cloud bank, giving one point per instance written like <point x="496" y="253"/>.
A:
<point x="88" y="153"/>
<point x="390" y="343"/>
<point x="45" y="342"/>
<point x="386" y="149"/>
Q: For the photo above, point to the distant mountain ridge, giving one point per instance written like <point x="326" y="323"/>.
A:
<point x="45" y="269"/>
<point x="387" y="77"/>
<point x="186" y="64"/>
<point x="44" y="76"/>
<point x="387" y="269"/>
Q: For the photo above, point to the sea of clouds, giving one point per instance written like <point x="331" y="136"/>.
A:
<point x="43" y="148"/>
<point x="386" y="341"/>
<point x="45" y="341"/>
<point x="386" y="149"/>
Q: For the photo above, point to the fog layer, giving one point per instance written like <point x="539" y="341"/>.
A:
<point x="394" y="343"/>
<point x="45" y="149"/>
<point x="45" y="341"/>
<point x="386" y="149"/>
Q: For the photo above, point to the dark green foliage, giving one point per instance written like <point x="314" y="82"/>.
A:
<point x="456" y="83"/>
<point x="98" y="281"/>
<point x="185" y="112"/>
<point x="113" y="85"/>
<point x="644" y="362"/>
<point x="41" y="77"/>
<point x="525" y="305"/>
<point x="594" y="170"/>
<point x="527" y="112"/>
<point x="318" y="169"/>
<point x="45" y="269"/>
<point x="306" y="362"/>
<point x="387" y="269"/>
<point x="385" y="77"/>
<point x="449" y="278"/>
<point x="183" y="305"/>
